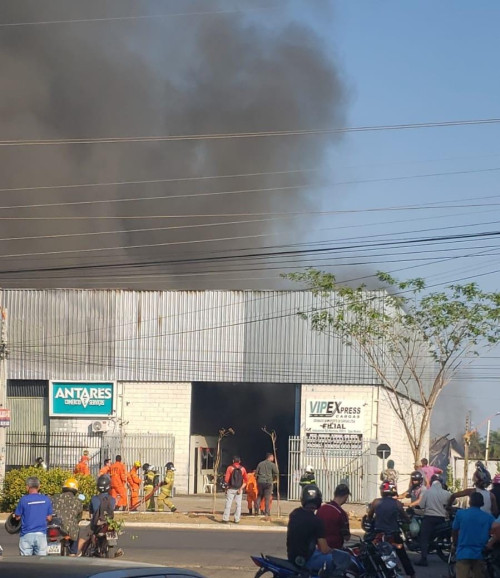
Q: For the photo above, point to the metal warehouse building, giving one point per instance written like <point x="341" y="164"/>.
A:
<point x="156" y="375"/>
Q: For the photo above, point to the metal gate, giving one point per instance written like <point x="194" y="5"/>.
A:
<point x="155" y="449"/>
<point x="63" y="450"/>
<point x="332" y="467"/>
<point x="59" y="450"/>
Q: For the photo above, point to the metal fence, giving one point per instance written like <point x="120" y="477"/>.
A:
<point x="356" y="468"/>
<point x="64" y="450"/>
<point x="154" y="449"/>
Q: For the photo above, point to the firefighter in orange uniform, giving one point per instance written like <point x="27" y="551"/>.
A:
<point x="251" y="491"/>
<point x="118" y="490"/>
<point x="106" y="468"/>
<point x="134" y="483"/>
<point x="82" y="467"/>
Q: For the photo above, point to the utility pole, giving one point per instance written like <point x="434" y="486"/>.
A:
<point x="467" y="436"/>
<point x="3" y="389"/>
<point x="487" y="449"/>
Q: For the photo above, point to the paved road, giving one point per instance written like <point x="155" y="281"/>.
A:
<point x="214" y="553"/>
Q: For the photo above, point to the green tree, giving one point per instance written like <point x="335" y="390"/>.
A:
<point x="477" y="447"/>
<point x="415" y="341"/>
<point x="494" y="453"/>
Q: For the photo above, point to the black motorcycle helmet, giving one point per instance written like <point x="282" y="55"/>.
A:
<point x="170" y="466"/>
<point x="103" y="484"/>
<point x="437" y="478"/>
<point x="481" y="477"/>
<point x="12" y="525"/>
<point x="417" y="478"/>
<point x="311" y="497"/>
<point x="388" y="488"/>
<point x="145" y="467"/>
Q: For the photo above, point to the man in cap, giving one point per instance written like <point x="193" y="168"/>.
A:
<point x="335" y="518"/>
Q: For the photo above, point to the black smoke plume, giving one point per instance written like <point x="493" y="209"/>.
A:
<point x="244" y="68"/>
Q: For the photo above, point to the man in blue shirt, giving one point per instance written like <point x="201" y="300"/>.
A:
<point x="34" y="510"/>
<point x="471" y="532"/>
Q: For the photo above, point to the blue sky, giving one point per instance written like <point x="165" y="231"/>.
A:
<point x="412" y="62"/>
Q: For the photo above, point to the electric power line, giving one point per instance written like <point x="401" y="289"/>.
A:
<point x="246" y="135"/>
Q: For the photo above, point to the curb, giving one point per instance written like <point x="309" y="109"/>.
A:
<point x="219" y="527"/>
<point x="230" y="526"/>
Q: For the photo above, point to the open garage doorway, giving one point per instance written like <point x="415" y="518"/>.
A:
<point x="247" y="408"/>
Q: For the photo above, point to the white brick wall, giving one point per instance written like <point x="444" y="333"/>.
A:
<point x="380" y="423"/>
<point x="392" y="432"/>
<point x="73" y="425"/>
<point x="160" y="408"/>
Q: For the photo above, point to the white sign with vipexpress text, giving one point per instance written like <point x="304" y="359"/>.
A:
<point x="336" y="416"/>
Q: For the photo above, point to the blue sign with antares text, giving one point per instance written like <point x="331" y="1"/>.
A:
<point x="81" y="399"/>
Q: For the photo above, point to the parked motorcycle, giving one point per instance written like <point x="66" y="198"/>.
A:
<point x="365" y="560"/>
<point x="345" y="566"/>
<point x="492" y="559"/>
<point x="102" y="543"/>
<point x="378" y="556"/>
<point x="440" y="543"/>
<point x="493" y="562"/>
<point x="58" y="540"/>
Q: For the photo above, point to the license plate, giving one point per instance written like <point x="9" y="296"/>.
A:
<point x="112" y="538"/>
<point x="54" y="549"/>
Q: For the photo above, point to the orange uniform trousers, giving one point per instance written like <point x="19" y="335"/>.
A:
<point x="134" y="483"/>
<point x="119" y="484"/>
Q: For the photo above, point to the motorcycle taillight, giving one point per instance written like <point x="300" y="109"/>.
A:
<point x="53" y="532"/>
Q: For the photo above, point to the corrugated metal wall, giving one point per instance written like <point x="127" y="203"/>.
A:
<point x="173" y="336"/>
<point x="28" y="402"/>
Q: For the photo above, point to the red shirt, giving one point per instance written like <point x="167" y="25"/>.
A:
<point x="229" y="471"/>
<point x="336" y="523"/>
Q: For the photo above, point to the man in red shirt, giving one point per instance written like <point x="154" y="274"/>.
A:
<point x="335" y="519"/>
<point x="236" y="480"/>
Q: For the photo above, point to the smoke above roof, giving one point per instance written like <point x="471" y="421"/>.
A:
<point x="237" y="70"/>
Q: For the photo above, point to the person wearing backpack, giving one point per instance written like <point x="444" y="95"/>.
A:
<point x="236" y="480"/>
<point x="101" y="508"/>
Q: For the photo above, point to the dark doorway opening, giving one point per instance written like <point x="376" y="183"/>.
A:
<point x="247" y="408"/>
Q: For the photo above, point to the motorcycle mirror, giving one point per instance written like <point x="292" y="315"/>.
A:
<point x="81" y="497"/>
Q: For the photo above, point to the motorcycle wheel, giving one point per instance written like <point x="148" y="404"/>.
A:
<point x="443" y="553"/>
<point x="452" y="571"/>
<point x="103" y="549"/>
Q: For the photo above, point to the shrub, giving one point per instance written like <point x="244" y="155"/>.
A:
<point x="51" y="482"/>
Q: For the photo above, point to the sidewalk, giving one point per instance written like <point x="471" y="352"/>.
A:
<point x="195" y="512"/>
